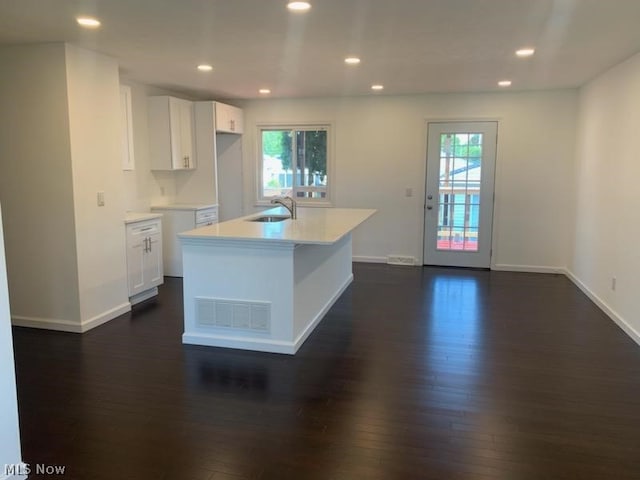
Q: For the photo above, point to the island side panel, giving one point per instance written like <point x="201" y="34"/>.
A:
<point x="322" y="273"/>
<point x="238" y="275"/>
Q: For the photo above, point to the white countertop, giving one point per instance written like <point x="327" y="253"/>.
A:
<point x="133" y="217"/>
<point x="313" y="226"/>
<point x="184" y="206"/>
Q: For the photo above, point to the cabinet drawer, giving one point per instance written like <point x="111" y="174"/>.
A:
<point x="144" y="229"/>
<point x="206" y="216"/>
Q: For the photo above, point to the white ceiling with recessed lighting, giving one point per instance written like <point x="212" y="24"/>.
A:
<point x="409" y="46"/>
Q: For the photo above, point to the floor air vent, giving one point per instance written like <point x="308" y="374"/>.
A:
<point x="234" y="314"/>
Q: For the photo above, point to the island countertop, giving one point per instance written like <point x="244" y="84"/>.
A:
<point x="320" y="226"/>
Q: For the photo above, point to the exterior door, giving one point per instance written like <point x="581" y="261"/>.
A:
<point x="459" y="193"/>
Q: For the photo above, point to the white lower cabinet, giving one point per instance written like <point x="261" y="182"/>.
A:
<point x="144" y="259"/>
<point x="178" y="218"/>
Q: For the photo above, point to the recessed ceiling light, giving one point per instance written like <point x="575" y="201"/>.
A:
<point x="377" y="87"/>
<point x="352" y="60"/>
<point x="525" y="52"/>
<point x="299" y="6"/>
<point x="264" y="91"/>
<point x="504" y="83"/>
<point x="205" y="67"/>
<point x="88" y="22"/>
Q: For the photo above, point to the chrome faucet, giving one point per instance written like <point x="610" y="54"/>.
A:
<point x="291" y="205"/>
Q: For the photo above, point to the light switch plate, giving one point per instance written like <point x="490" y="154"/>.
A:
<point x="101" y="199"/>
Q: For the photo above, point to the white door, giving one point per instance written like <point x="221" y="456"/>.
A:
<point x="459" y="193"/>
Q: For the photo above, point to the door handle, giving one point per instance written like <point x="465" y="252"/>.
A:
<point x="429" y="207"/>
<point x="429" y="197"/>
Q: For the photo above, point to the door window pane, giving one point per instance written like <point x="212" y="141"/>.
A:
<point x="459" y="195"/>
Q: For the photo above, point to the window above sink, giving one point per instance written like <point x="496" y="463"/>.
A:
<point x="295" y="161"/>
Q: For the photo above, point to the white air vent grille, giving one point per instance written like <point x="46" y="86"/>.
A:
<point x="234" y="314"/>
<point x="401" y="260"/>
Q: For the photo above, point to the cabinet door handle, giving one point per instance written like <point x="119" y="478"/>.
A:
<point x="233" y="125"/>
<point x="149" y="244"/>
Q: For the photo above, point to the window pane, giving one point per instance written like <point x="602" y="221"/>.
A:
<point x="459" y="191"/>
<point x="293" y="161"/>
<point x="446" y="141"/>
<point x="277" y="176"/>
<point x="311" y="158"/>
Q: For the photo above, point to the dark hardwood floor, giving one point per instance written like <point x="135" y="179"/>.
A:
<point x="415" y="373"/>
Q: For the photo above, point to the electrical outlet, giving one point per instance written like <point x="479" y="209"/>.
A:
<point x="408" y="192"/>
<point x="101" y="199"/>
<point x="613" y="283"/>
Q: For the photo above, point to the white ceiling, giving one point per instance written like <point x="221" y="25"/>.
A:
<point x="410" y="46"/>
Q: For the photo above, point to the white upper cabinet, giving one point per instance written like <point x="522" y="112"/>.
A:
<point x="126" y="128"/>
<point x="171" y="138"/>
<point x="229" y="119"/>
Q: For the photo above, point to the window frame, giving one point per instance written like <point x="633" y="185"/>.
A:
<point x="327" y="201"/>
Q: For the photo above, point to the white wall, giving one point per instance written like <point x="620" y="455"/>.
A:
<point x="36" y="185"/>
<point x="607" y="201"/>
<point x="94" y="128"/>
<point x="9" y="429"/>
<point x="380" y="150"/>
<point x="59" y="146"/>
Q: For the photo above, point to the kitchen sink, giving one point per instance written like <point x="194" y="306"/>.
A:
<point x="269" y="218"/>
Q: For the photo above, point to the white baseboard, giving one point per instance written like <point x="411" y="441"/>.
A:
<point x="46" y="323"/>
<point x="105" y="316"/>
<point x="240" y="343"/>
<point x="67" y="325"/>
<point x="601" y="304"/>
<point x="320" y="315"/>
<point x="610" y="312"/>
<point x="503" y="267"/>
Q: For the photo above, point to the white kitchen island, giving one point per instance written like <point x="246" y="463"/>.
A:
<point x="266" y="285"/>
